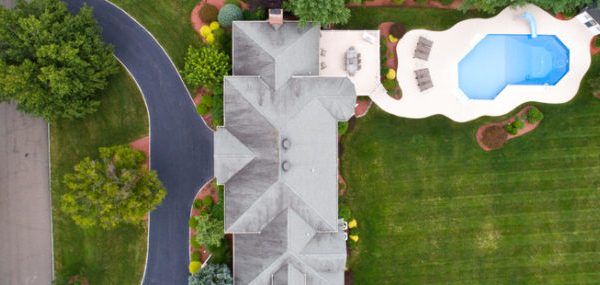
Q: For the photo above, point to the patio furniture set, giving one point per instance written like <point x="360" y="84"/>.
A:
<point x="422" y="52"/>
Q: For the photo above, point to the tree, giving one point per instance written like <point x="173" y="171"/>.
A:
<point x="209" y="232"/>
<point x="555" y="6"/>
<point x="324" y="12"/>
<point x="112" y="190"/>
<point x="212" y="274"/>
<point x="206" y="66"/>
<point x="52" y="63"/>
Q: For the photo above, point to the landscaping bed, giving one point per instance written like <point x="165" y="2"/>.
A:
<point x="492" y="136"/>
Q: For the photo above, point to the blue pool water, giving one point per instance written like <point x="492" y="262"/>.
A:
<point x="499" y="60"/>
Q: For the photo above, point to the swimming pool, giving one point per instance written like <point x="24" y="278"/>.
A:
<point x="501" y="60"/>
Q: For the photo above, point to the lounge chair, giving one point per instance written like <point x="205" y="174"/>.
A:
<point x="323" y="52"/>
<point x="323" y="65"/>
<point x="422" y="73"/>
<point x="423" y="48"/>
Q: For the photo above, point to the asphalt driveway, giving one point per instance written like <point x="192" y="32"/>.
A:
<point x="181" y="146"/>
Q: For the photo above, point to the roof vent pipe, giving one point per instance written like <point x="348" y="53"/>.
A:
<point x="285" y="165"/>
<point x="286" y="144"/>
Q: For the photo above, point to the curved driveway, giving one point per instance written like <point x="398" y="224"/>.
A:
<point x="181" y="145"/>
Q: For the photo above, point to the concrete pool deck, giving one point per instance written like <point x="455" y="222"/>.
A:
<point x="450" y="46"/>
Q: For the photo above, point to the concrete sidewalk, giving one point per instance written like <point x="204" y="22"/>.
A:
<point x="25" y="227"/>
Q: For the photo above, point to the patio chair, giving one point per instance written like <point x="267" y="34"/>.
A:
<point x="323" y="65"/>
<point x="422" y="73"/>
<point x="425" y="42"/>
<point x="323" y="52"/>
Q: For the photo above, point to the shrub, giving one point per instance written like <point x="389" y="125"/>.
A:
<point x="213" y="274"/>
<point x="207" y="202"/>
<point x="205" y="31"/>
<point x="392" y="39"/>
<point x="208" y="13"/>
<point x="390" y="85"/>
<point x="194" y="267"/>
<point x="445" y="2"/>
<point x="205" y="106"/>
<point x="192" y="222"/>
<point x="197" y="204"/>
<point x="217" y="211"/>
<point x="195" y="256"/>
<point x="344" y="212"/>
<point x="494" y="137"/>
<point x="510" y="129"/>
<point x="534" y="115"/>
<point x="342" y="128"/>
<point x="209" y="232"/>
<point x="391" y="74"/>
<point x="214" y="25"/>
<point x="398" y="2"/>
<point x="194" y="243"/>
<point x="257" y="15"/>
<point x="518" y="124"/>
<point x="217" y="110"/>
<point x="228" y="14"/>
<point x="397" y="30"/>
<point x="206" y="66"/>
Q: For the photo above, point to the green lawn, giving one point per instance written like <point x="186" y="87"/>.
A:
<point x="168" y="21"/>
<point x="412" y="18"/>
<point x="433" y="208"/>
<point x="104" y="257"/>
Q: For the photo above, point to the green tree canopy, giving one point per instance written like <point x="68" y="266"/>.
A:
<point x="52" y="63"/>
<point x="209" y="231"/>
<point x="325" y="12"/>
<point x="555" y="6"/>
<point x="212" y="274"/>
<point x="112" y="190"/>
<point x="206" y="67"/>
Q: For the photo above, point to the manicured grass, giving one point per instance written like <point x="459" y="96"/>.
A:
<point x="412" y="18"/>
<point x="433" y="208"/>
<point x="104" y="257"/>
<point x="168" y="21"/>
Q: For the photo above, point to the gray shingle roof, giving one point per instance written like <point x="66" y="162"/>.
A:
<point x="281" y="202"/>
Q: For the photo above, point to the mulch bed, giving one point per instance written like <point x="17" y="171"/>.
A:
<point x="208" y="117"/>
<point x="142" y="144"/>
<point x="362" y="107"/>
<point x="486" y="128"/>
<point x="207" y="190"/>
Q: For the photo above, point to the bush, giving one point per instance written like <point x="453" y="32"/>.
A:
<point x="194" y="243"/>
<point x="257" y="15"/>
<point x="195" y="267"/>
<point x="208" y="13"/>
<point x="398" y="2"/>
<point x="213" y="274"/>
<point x="217" y="212"/>
<point x="342" y="128"/>
<point x="344" y="212"/>
<point x="390" y="85"/>
<point x="207" y="202"/>
<point x="534" y="115"/>
<point x="228" y="14"/>
<point x="518" y="124"/>
<point x="197" y="204"/>
<point x="509" y="128"/>
<point x="494" y="137"/>
<point x="205" y="106"/>
<point x="195" y="256"/>
<point x="445" y="2"/>
<point x="209" y="231"/>
<point x="192" y="222"/>
<point x="217" y="110"/>
<point x="397" y="30"/>
<point x="206" y="67"/>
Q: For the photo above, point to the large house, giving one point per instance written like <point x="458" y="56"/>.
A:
<point x="277" y="154"/>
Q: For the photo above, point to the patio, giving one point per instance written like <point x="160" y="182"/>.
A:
<point x="351" y="53"/>
<point x="449" y="47"/>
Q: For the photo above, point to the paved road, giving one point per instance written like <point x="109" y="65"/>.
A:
<point x="181" y="145"/>
<point x="25" y="227"/>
